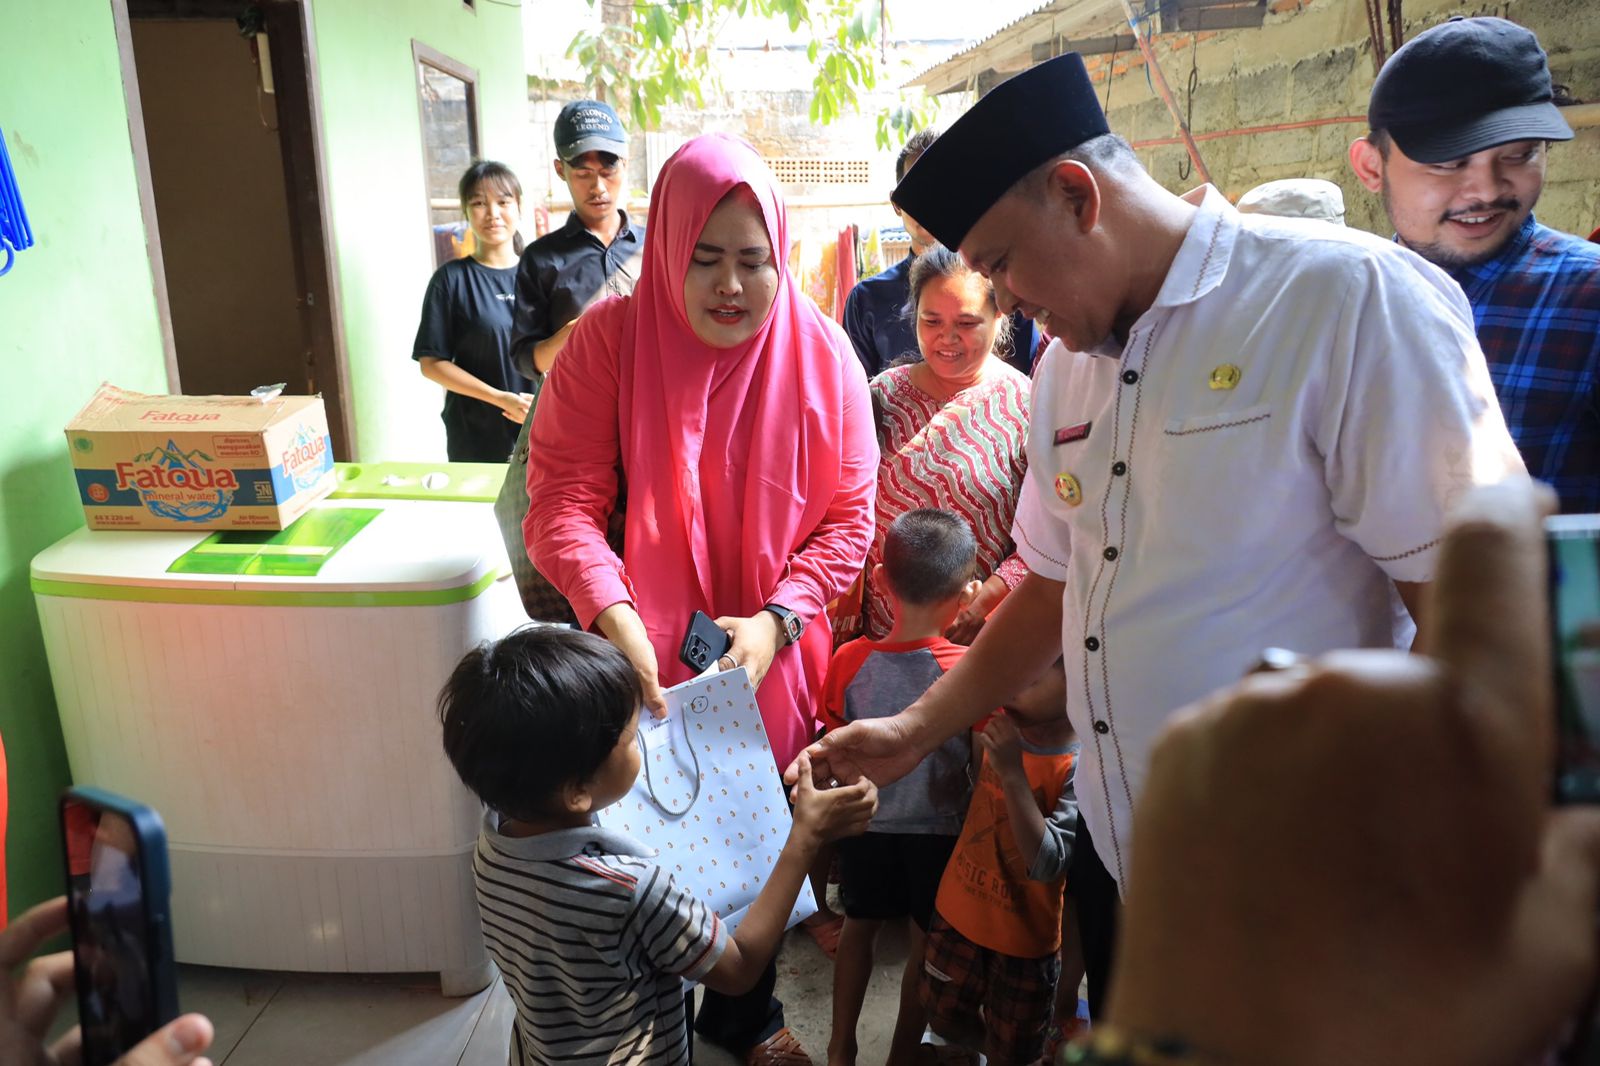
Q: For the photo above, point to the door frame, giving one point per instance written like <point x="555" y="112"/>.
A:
<point x="288" y="24"/>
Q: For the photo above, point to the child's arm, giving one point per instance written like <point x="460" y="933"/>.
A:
<point x="819" y="817"/>
<point x="1060" y="833"/>
<point x="1002" y="745"/>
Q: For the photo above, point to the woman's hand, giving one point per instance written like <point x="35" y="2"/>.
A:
<point x="28" y="1003"/>
<point x="623" y="627"/>
<point x="755" y="641"/>
<point x="964" y="630"/>
<point x="515" y="405"/>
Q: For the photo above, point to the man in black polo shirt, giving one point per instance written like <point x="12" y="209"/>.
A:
<point x="597" y="251"/>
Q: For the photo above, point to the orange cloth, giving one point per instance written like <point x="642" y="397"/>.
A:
<point x="986" y="894"/>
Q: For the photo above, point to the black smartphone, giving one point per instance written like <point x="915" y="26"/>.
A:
<point x="704" y="643"/>
<point x="118" y="888"/>
<point x="1574" y="542"/>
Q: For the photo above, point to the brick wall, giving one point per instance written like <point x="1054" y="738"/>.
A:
<point x="1312" y="60"/>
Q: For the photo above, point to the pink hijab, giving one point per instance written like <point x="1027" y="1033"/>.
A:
<point x="689" y="414"/>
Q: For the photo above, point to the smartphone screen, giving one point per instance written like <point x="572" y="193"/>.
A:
<point x="113" y="942"/>
<point x="1575" y="604"/>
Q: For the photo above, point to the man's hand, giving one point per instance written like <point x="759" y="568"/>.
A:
<point x="1354" y="860"/>
<point x="623" y="627"/>
<point x="824" y="815"/>
<point x="28" y="1004"/>
<point x="756" y="641"/>
<point x="875" y="749"/>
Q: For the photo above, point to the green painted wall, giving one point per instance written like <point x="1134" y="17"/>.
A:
<point x="77" y="308"/>
<point x="373" y="140"/>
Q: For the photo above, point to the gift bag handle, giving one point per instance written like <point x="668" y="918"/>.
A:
<point x="649" y="783"/>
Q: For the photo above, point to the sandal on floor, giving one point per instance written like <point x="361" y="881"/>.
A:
<point x="780" y="1049"/>
<point x="825" y="933"/>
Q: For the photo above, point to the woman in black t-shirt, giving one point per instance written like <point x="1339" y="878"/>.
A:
<point x="464" y="339"/>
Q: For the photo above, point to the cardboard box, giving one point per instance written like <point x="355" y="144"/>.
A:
<point x="199" y="462"/>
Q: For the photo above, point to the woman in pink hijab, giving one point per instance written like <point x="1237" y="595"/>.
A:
<point x="736" y="414"/>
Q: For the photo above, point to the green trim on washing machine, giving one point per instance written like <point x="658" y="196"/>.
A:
<point x="256" y="597"/>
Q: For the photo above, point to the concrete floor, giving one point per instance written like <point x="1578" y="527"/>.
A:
<point x="277" y="1019"/>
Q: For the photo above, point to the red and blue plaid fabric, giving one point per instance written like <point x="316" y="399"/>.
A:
<point x="1537" y="308"/>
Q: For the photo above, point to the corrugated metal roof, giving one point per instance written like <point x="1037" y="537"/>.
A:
<point x="1046" y="11"/>
<point x="1041" y="9"/>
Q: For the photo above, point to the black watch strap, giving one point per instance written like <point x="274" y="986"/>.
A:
<point x="788" y="622"/>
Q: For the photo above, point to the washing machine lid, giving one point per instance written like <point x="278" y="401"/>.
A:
<point x="355" y="551"/>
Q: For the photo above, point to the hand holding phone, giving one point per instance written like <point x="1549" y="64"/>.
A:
<point x="704" y="643"/>
<point x="1574" y="543"/>
<point x="26" y="1020"/>
<point x="118" y="888"/>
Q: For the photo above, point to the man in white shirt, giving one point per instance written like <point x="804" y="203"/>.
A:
<point x="1246" y="435"/>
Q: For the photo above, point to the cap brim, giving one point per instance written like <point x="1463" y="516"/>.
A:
<point x="585" y="145"/>
<point x="1441" y="143"/>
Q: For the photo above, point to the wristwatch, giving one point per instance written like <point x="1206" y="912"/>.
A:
<point x="788" y="622"/>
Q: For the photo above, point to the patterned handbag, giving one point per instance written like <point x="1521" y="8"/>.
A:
<point x="540" y="598"/>
<point x="708" y="799"/>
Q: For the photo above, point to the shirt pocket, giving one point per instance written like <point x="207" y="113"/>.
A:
<point x="1214" y="474"/>
<point x="1228" y="422"/>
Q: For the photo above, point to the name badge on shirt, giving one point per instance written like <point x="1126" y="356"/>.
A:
<point x="1068" y="434"/>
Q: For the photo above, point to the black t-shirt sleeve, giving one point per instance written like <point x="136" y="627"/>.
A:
<point x="433" y="331"/>
<point x="530" y="315"/>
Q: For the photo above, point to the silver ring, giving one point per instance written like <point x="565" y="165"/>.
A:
<point x="1273" y="660"/>
<point x="730" y="660"/>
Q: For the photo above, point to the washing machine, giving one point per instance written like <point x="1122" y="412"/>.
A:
<point x="273" y="695"/>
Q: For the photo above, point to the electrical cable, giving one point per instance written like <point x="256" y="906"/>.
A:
<point x="1186" y="165"/>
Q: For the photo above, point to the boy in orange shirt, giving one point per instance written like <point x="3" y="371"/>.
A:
<point x="993" y="950"/>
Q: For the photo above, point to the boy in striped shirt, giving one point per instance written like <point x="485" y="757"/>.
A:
<point x="593" y="938"/>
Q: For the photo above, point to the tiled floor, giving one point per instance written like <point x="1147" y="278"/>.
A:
<point x="276" y="1019"/>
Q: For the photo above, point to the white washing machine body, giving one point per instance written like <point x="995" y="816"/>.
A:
<point x="285" y="727"/>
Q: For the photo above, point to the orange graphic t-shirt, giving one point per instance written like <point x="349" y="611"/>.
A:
<point x="986" y="894"/>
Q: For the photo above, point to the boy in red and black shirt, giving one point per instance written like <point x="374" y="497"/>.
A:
<point x="893" y="871"/>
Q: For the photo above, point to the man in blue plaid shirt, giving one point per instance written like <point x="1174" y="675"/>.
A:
<point x="1461" y="118"/>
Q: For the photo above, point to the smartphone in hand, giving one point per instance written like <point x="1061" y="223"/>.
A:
<point x="704" y="643"/>
<point x="118" y="887"/>
<point x="1574" y="542"/>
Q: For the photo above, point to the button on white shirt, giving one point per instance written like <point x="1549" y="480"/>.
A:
<point x="1279" y="440"/>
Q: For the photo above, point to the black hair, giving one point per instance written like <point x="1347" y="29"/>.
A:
<point x="940" y="262"/>
<point x="1381" y="140"/>
<point x="929" y="555"/>
<point x="1105" y="151"/>
<point x="498" y="177"/>
<point x="915" y="145"/>
<point x="538" y="710"/>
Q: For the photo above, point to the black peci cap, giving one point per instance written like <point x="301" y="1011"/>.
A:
<point x="1463" y="86"/>
<point x="1022" y="123"/>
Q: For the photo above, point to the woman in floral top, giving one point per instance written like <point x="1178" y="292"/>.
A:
<point x="952" y="432"/>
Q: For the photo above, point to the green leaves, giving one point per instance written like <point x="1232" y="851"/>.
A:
<point x="662" y="54"/>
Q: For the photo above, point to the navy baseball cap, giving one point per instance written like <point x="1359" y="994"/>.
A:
<point x="1463" y="86"/>
<point x="1022" y="123"/>
<point x="589" y="126"/>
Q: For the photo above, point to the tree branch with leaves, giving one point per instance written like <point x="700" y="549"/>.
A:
<point x="648" y="55"/>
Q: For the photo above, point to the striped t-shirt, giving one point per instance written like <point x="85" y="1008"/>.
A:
<point x="593" y="942"/>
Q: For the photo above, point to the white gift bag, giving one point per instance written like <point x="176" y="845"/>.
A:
<point x="708" y="798"/>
